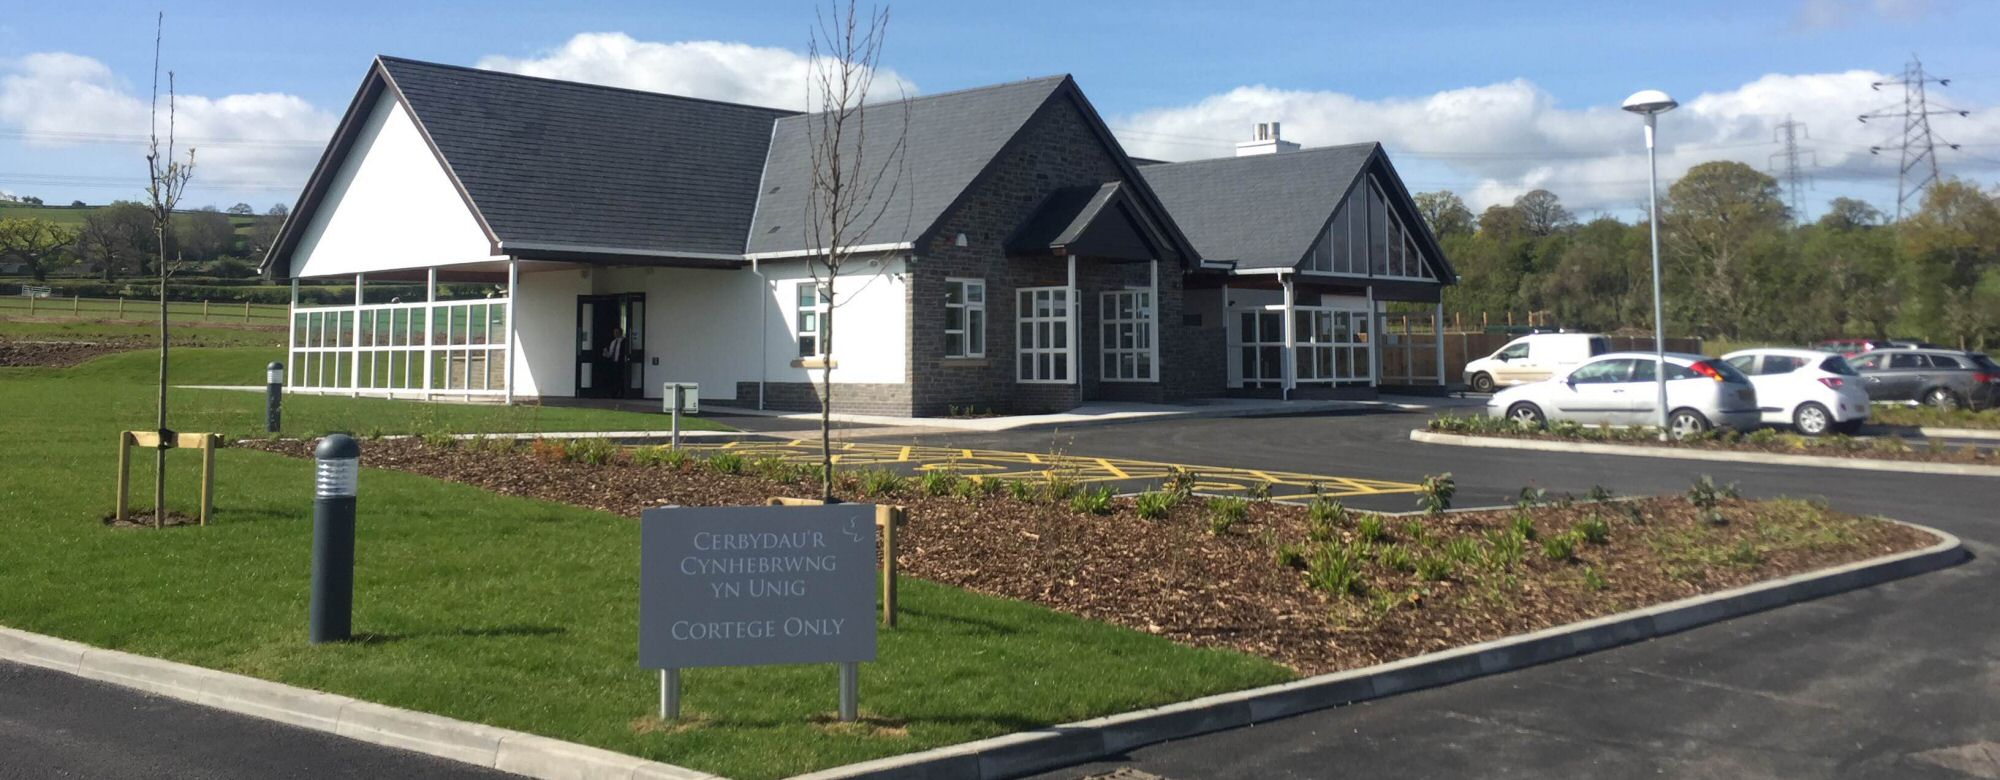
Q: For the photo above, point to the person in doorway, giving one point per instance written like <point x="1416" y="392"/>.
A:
<point x="615" y="355"/>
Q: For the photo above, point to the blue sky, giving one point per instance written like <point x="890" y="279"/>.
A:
<point x="1486" y="98"/>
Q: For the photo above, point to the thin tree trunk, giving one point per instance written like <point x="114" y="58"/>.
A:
<point x="826" y="399"/>
<point x="160" y="418"/>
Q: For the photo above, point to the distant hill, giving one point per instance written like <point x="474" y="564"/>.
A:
<point x="73" y="215"/>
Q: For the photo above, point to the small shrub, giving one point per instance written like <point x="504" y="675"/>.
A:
<point x="1290" y="556"/>
<point x="1435" y="568"/>
<point x="1020" y="490"/>
<point x="1600" y="494"/>
<point x="1707" y="495"/>
<point x="1746" y="554"/>
<point x="432" y="437"/>
<point x="1396" y="557"/>
<point x="1180" y="483"/>
<point x="1371" y="528"/>
<point x="1154" y="505"/>
<point x="725" y="463"/>
<point x="1593" y="529"/>
<point x="1335" y="570"/>
<point x="989" y="488"/>
<point x="1592" y="579"/>
<point x="879" y="482"/>
<point x="1524" y="525"/>
<point x="1762" y="437"/>
<point x="1257" y="491"/>
<point x="1413" y="531"/>
<point x="1326" y="510"/>
<point x="1093" y="502"/>
<point x="775" y="468"/>
<point x="1225" y="512"/>
<point x="938" y="482"/>
<point x="968" y="489"/>
<point x="654" y="456"/>
<point x="1566" y="429"/>
<point x="1560" y="548"/>
<point x="1059" y="487"/>
<point x="594" y="451"/>
<point x="1530" y="497"/>
<point x="548" y="450"/>
<point x="1462" y="549"/>
<point x="1434" y="496"/>
<point x="1505" y="549"/>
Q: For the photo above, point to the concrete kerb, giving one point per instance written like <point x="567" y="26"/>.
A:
<point x="1057" y="746"/>
<point x="472" y="743"/>
<point x="1678" y="453"/>
<point x="1959" y="433"/>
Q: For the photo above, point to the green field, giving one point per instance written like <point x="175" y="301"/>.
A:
<point x="73" y="217"/>
<point x="498" y="610"/>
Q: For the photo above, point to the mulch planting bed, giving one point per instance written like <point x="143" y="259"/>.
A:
<point x="57" y="354"/>
<point x="1768" y="440"/>
<point x="1318" y="588"/>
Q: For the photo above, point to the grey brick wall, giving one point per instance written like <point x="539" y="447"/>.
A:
<point x="1057" y="149"/>
<point x="888" y="399"/>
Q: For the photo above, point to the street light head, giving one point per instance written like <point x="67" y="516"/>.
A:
<point x="1649" y="101"/>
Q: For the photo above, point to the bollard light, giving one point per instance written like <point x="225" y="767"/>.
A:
<point x="336" y="474"/>
<point x="274" y="396"/>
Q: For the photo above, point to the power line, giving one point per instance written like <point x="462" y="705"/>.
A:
<point x="1916" y="143"/>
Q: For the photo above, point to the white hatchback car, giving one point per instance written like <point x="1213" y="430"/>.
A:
<point x="1619" y="389"/>
<point x="1812" y="392"/>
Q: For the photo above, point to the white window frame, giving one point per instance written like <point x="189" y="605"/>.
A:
<point x="1037" y="348"/>
<point x="1144" y="349"/>
<point x="971" y="318"/>
<point x="818" y="331"/>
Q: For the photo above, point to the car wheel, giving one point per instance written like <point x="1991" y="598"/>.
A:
<point x="1684" y="423"/>
<point x="1812" y="419"/>
<point x="1941" y="398"/>
<point x="1526" y="415"/>
<point x="1482" y="382"/>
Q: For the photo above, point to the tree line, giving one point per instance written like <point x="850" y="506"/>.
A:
<point x="1735" y="263"/>
<point x="119" y="240"/>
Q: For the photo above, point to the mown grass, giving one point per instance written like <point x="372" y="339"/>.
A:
<point x="125" y="379"/>
<point x="138" y="328"/>
<point x="516" y="613"/>
<point x="1933" y="417"/>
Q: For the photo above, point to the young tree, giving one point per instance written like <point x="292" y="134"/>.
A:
<point x="853" y="180"/>
<point x="167" y="179"/>
<point x="41" y="244"/>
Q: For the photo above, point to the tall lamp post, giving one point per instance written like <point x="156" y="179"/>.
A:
<point x="1651" y="103"/>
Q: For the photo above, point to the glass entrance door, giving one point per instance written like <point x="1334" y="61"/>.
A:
<point x="610" y="346"/>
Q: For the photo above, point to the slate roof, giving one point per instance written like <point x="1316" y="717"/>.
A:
<point x="1095" y="221"/>
<point x="1262" y="211"/>
<point x="591" y="167"/>
<point x="951" y="138"/>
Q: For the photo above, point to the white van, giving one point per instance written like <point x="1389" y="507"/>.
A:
<point x="1533" y="358"/>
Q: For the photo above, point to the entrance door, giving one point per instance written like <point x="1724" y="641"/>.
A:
<point x="610" y="346"/>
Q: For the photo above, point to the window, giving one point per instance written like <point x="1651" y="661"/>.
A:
<point x="1745" y="363"/>
<point x="1514" y="351"/>
<point x="813" y="303"/>
<point x="1909" y="360"/>
<point x="964" y="318"/>
<point x="1867" y="362"/>
<point x="1602" y="372"/>
<point x="1044" y="344"/>
<point x="1127" y="348"/>
<point x="1837" y="365"/>
<point x="1776" y="364"/>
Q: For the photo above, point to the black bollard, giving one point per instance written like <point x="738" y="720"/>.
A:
<point x="274" y="396"/>
<point x="337" y="471"/>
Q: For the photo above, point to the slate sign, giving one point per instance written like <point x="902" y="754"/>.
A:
<point x="742" y="586"/>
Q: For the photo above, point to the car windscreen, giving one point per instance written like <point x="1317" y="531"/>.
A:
<point x="1838" y="365"/>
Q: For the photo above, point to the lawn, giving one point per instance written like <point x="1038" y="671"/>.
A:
<point x="139" y="330"/>
<point x="1933" y="417"/>
<point x="507" y="611"/>
<point x="146" y="311"/>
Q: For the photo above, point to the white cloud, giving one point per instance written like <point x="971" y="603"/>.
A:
<point x="1490" y="143"/>
<point x="243" y="141"/>
<point x="717" y="70"/>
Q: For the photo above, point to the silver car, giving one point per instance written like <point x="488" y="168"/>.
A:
<point x="1620" y="389"/>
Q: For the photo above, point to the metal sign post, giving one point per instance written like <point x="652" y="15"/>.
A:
<point x="677" y="416"/>
<point x="670" y="694"/>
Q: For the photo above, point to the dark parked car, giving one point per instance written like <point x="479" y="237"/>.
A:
<point x="1852" y="347"/>
<point x="1947" y="379"/>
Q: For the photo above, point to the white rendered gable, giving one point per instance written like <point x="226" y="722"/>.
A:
<point x="391" y="206"/>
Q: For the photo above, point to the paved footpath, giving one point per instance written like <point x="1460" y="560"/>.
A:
<point x="1897" y="681"/>
<point x="56" y="725"/>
